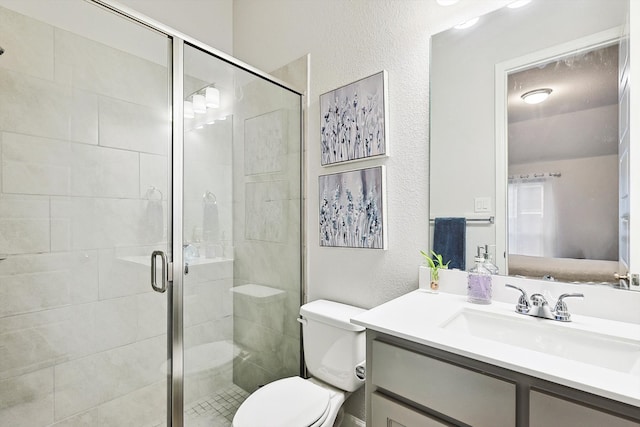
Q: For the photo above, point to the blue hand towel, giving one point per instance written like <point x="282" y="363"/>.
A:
<point x="449" y="240"/>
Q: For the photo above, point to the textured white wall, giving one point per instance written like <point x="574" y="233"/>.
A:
<point x="348" y="41"/>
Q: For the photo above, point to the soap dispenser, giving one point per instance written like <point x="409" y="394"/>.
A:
<point x="488" y="262"/>
<point x="479" y="281"/>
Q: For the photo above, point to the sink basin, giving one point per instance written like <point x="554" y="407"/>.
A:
<point x="549" y="337"/>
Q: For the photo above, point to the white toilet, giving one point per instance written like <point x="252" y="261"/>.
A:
<point x="333" y="348"/>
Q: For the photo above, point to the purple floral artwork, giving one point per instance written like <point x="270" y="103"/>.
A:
<point x="352" y="211"/>
<point x="353" y="121"/>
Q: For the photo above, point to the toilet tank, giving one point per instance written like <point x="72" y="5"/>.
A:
<point x="333" y="346"/>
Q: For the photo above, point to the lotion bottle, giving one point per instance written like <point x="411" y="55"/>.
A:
<point x="488" y="262"/>
<point x="479" y="281"/>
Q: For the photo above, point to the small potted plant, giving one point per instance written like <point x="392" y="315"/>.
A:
<point x="435" y="263"/>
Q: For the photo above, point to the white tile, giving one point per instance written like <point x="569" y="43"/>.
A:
<point x="144" y="407"/>
<point x="30" y="178"/>
<point x="28" y="45"/>
<point x="27" y="401"/>
<point x="213" y="143"/>
<point x="52" y="337"/>
<point x="27" y="349"/>
<point x="133" y="126"/>
<point x="34" y="165"/>
<point x="83" y="117"/>
<point x="153" y="174"/>
<point x="295" y="73"/>
<point x="202" y="333"/>
<point x="88" y="223"/>
<point x="202" y="176"/>
<point x="26" y="293"/>
<point x="32" y="283"/>
<point x="265" y="143"/>
<point x="24" y="224"/>
<point x="203" y="302"/>
<point x="104" y="172"/>
<point x="152" y="315"/>
<point x="120" y="274"/>
<point x="103" y="70"/>
<point x="115" y="322"/>
<point x="209" y="271"/>
<point x="84" y="383"/>
<point x="266" y="211"/>
<point x="42" y="108"/>
<point x="88" y="418"/>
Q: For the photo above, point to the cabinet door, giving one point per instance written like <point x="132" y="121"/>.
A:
<point x="546" y="410"/>
<point x="389" y="413"/>
<point x="462" y="394"/>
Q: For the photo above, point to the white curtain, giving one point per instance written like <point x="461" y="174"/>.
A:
<point x="532" y="217"/>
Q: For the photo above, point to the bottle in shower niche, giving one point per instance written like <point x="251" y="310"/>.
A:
<point x="479" y="281"/>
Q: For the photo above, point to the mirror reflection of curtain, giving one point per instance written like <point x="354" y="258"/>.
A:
<point x="532" y="217"/>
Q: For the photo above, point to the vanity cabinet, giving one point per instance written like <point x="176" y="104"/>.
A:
<point x="386" y="412"/>
<point x="446" y="389"/>
<point x="412" y="385"/>
<point x="546" y="410"/>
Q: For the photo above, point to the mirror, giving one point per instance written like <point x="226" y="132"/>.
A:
<point x="482" y="134"/>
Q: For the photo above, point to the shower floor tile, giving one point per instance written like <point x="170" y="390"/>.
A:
<point x="216" y="410"/>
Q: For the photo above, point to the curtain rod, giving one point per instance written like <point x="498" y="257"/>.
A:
<point x="536" y="175"/>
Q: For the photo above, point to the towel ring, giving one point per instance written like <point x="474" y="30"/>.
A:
<point x="153" y="191"/>
<point x="209" y="197"/>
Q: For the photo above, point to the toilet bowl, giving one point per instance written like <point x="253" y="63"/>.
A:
<point x="291" y="402"/>
<point x="333" y="348"/>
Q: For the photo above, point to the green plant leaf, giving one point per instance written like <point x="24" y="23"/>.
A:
<point x="427" y="257"/>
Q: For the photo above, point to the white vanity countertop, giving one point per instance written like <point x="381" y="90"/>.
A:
<point x="418" y="315"/>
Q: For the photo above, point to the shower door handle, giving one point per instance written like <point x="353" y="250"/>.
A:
<point x="154" y="280"/>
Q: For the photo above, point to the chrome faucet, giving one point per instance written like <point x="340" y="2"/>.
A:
<point x="539" y="307"/>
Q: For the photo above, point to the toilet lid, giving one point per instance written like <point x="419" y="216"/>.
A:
<point x="287" y="402"/>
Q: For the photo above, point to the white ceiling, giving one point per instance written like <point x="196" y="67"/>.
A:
<point x="580" y="117"/>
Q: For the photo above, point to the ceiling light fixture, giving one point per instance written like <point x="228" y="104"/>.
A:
<point x="518" y="3"/>
<point x="536" y="96"/>
<point x="467" y="24"/>
<point x="212" y="95"/>
<point x="203" y="100"/>
<point x="188" y="110"/>
<point x="199" y="104"/>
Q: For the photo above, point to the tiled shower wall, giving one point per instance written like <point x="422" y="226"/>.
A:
<point x="83" y="186"/>
<point x="266" y="177"/>
<point x="83" y="138"/>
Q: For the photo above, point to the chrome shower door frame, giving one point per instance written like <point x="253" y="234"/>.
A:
<point x="175" y="307"/>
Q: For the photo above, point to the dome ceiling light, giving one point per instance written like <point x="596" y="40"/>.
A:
<point x="536" y="96"/>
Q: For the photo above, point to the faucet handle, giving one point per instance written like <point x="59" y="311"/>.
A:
<point x="561" y="311"/>
<point x="538" y="300"/>
<point x="523" y="305"/>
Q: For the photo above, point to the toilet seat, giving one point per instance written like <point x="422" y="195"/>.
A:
<point x="291" y="402"/>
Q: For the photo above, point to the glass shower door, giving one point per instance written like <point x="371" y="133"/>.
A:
<point x="84" y="135"/>
<point x="241" y="228"/>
